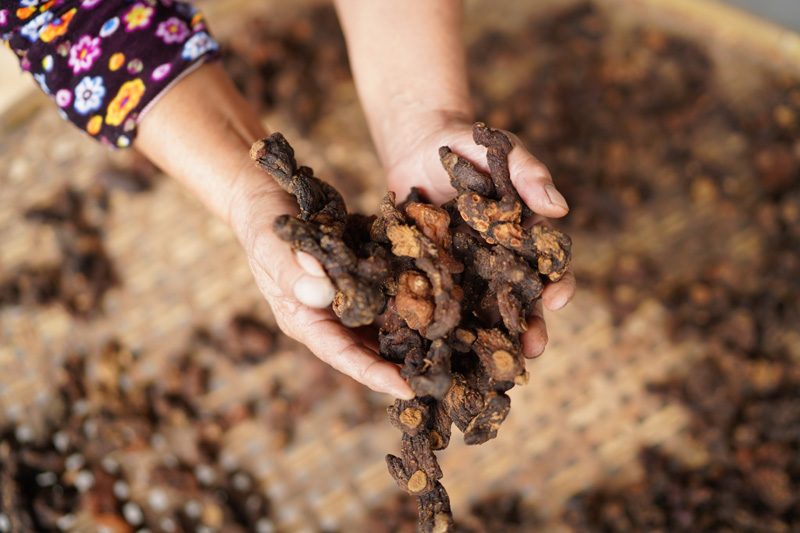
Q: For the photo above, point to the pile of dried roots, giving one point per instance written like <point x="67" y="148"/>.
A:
<point x="451" y="286"/>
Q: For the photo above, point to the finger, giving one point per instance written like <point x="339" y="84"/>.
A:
<point x="296" y="275"/>
<point x="535" y="337"/>
<point x="557" y="295"/>
<point x="534" y="183"/>
<point x="342" y="349"/>
<point x="308" y="263"/>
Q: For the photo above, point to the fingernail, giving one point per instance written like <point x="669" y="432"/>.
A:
<point x="555" y="196"/>
<point x="314" y="292"/>
<point x="308" y="263"/>
<point x="560" y="303"/>
<point x="560" y="300"/>
<point x="404" y="393"/>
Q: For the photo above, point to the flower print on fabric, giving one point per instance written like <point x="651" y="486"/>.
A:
<point x="135" y="66"/>
<point x="94" y="124"/>
<point x="24" y="13"/>
<point x="197" y="45"/>
<point x="42" y="81"/>
<point x="116" y="61"/>
<point x="63" y="98"/>
<point x="126" y="99"/>
<point x="161" y="72"/>
<point x="173" y="30"/>
<point x="110" y="26"/>
<point x="89" y="94"/>
<point x="138" y="17"/>
<point x="57" y="27"/>
<point x="32" y="29"/>
<point x="104" y="62"/>
<point x="83" y="54"/>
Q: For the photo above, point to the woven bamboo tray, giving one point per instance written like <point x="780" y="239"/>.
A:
<point x="580" y="421"/>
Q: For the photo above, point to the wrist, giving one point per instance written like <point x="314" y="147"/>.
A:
<point x="397" y="136"/>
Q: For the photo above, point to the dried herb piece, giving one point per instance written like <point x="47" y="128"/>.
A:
<point x="500" y="223"/>
<point x="447" y="296"/>
<point x="85" y="273"/>
<point x="426" y="427"/>
<point x="396" y="338"/>
<point x="414" y="299"/>
<point x="409" y="416"/>
<point x="499" y="220"/>
<point x="318" y="201"/>
<point x="417" y="471"/>
<point x="484" y="425"/>
<point x="500" y="354"/>
<point x="435" y="515"/>
<point x="498" y="146"/>
<point x="428" y="374"/>
<point x="514" y="285"/>
<point x="463" y="402"/>
<point x="464" y="176"/>
<point x="429" y="243"/>
<point x="319" y="231"/>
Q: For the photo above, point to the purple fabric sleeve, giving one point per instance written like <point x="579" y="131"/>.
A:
<point x="105" y="61"/>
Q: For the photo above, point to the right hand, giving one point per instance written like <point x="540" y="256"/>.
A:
<point x="299" y="292"/>
<point x="418" y="165"/>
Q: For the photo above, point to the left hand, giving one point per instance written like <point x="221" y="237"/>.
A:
<point x="417" y="164"/>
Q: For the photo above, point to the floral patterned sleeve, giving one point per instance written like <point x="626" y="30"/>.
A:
<point x="105" y="62"/>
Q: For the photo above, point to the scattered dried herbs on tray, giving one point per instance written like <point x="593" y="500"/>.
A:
<point x="126" y="456"/>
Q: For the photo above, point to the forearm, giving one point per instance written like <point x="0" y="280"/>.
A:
<point x="200" y="133"/>
<point x="409" y="65"/>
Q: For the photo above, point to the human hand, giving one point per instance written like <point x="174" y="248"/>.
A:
<point x="299" y="292"/>
<point x="208" y="151"/>
<point x="414" y="162"/>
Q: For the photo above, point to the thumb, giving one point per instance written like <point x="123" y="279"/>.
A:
<point x="298" y="278"/>
<point x="294" y="275"/>
<point x="313" y="287"/>
<point x="533" y="182"/>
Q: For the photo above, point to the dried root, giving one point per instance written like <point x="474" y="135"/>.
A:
<point x="452" y="305"/>
<point x="319" y="230"/>
<point x="498" y="218"/>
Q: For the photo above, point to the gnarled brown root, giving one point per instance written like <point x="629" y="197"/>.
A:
<point x="484" y="426"/>
<point x="439" y="293"/>
<point x="428" y="374"/>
